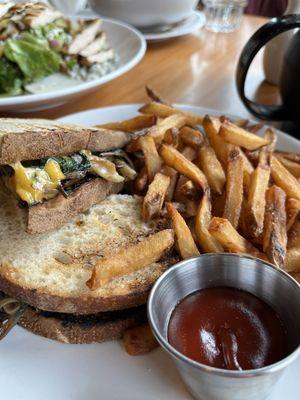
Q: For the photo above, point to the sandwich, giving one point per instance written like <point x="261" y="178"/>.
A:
<point x="46" y="275"/>
<point x="55" y="171"/>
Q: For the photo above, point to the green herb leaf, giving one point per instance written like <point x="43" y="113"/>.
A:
<point x="10" y="78"/>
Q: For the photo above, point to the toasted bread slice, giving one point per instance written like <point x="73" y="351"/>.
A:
<point x="49" y="271"/>
<point x="32" y="139"/>
<point x="74" y="329"/>
<point x="55" y="212"/>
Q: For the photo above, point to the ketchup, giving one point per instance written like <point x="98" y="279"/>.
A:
<point x="227" y="328"/>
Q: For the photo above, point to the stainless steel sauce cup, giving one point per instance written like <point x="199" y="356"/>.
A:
<point x="263" y="280"/>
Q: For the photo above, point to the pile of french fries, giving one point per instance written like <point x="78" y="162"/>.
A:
<point x="223" y="187"/>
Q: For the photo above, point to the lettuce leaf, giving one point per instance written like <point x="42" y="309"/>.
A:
<point x="11" y="79"/>
<point x="33" y="57"/>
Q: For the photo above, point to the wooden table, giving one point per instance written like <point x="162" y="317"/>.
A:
<point x="198" y="69"/>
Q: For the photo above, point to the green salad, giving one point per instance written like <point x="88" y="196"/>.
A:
<point x="37" y="42"/>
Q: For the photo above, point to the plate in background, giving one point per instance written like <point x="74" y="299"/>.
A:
<point x="130" y="45"/>
<point x="32" y="367"/>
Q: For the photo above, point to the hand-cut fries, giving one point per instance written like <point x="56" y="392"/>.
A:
<point x="292" y="166"/>
<point x="222" y="230"/>
<point x="220" y="180"/>
<point x="292" y="260"/>
<point x="292" y="211"/>
<point x="131" y="125"/>
<point x="158" y="131"/>
<point x="164" y="111"/>
<point x="275" y="236"/>
<point x="205" y="240"/>
<point x="294" y="235"/>
<point x="173" y="175"/>
<point x="212" y="127"/>
<point x="141" y="180"/>
<point x="284" y="179"/>
<point x="153" y="161"/>
<point x="289" y="156"/>
<point x="240" y="137"/>
<point x="211" y="167"/>
<point x="155" y="196"/>
<point x="191" y="137"/>
<point x="184" y="238"/>
<point x="131" y="259"/>
<point x="176" y="160"/>
<point x="154" y="96"/>
<point x="139" y="340"/>
<point x="234" y="186"/>
<point x="256" y="202"/>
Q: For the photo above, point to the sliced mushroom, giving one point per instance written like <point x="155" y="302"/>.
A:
<point x="96" y="46"/>
<point x="100" y="57"/>
<point x="85" y="37"/>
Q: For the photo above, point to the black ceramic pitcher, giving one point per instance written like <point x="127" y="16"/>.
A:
<point x="290" y="75"/>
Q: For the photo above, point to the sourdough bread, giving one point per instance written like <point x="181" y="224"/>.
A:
<point x="49" y="271"/>
<point x="32" y="139"/>
<point x="69" y="328"/>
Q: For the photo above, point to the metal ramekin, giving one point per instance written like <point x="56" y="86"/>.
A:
<point x="262" y="279"/>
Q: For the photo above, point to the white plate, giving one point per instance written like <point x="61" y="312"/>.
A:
<point x="33" y="368"/>
<point x="186" y="27"/>
<point x="130" y="46"/>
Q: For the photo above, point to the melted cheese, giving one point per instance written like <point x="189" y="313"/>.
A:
<point x="33" y="185"/>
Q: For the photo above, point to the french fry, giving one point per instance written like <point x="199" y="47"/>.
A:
<point x="234" y="186"/>
<point x="141" y="180"/>
<point x="284" y="179"/>
<point x="154" y="96"/>
<point x="131" y="125"/>
<point x="139" y="340"/>
<point x="247" y="170"/>
<point x="191" y="137"/>
<point x="256" y="202"/>
<point x="164" y="111"/>
<point x="292" y="260"/>
<point x="153" y="161"/>
<point x="176" y="160"/>
<point x="172" y="137"/>
<point x="222" y="230"/>
<point x="240" y="137"/>
<point x="212" y="127"/>
<point x="188" y="190"/>
<point x="131" y="259"/>
<point x="158" y="131"/>
<point x="190" y="154"/>
<point x="211" y="167"/>
<point x="155" y="196"/>
<point x="184" y="238"/>
<point x="173" y="175"/>
<point x="205" y="240"/>
<point x="275" y="236"/>
<point x="294" y="235"/>
<point x="292" y="211"/>
<point x="289" y="156"/>
<point x="292" y="166"/>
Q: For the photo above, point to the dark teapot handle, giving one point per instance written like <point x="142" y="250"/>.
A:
<point x="267" y="32"/>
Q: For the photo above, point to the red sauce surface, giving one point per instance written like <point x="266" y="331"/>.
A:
<point x="227" y="328"/>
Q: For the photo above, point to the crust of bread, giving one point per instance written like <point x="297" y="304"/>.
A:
<point x="55" y="212"/>
<point x="80" y="330"/>
<point x="32" y="139"/>
<point x="49" y="271"/>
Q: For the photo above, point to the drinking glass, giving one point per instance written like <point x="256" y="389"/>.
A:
<point x="223" y="15"/>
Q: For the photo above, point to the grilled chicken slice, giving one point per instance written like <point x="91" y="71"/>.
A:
<point x="95" y="47"/>
<point x="4" y="8"/>
<point x="85" y="37"/>
<point x="100" y="57"/>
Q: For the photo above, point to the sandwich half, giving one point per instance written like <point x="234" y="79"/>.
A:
<point x="56" y="171"/>
<point x="49" y="271"/>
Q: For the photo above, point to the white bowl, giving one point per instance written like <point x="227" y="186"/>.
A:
<point x="145" y="13"/>
<point x="128" y="43"/>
